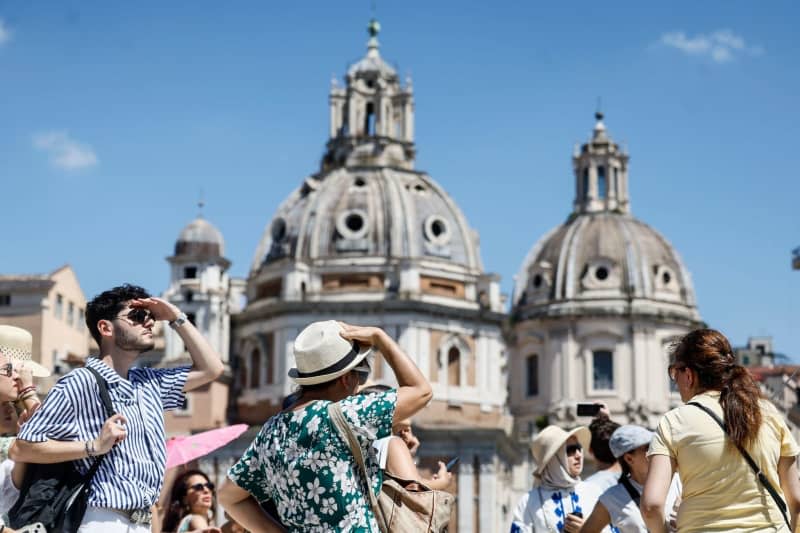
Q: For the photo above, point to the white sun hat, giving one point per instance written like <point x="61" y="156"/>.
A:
<point x="322" y="354"/>
<point x="17" y="345"/>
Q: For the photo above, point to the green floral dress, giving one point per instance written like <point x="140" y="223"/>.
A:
<point x="299" y="462"/>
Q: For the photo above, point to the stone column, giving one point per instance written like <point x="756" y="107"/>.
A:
<point x="487" y="487"/>
<point x="466" y="495"/>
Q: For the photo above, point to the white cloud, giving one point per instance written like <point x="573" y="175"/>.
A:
<point x="721" y="46"/>
<point x="5" y="32"/>
<point x="65" y="152"/>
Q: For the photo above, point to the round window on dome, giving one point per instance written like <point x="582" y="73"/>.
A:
<point x="359" y="182"/>
<point x="352" y="224"/>
<point x="437" y="230"/>
<point x="601" y="273"/>
<point x="278" y="229"/>
<point x="537" y="281"/>
<point x="666" y="277"/>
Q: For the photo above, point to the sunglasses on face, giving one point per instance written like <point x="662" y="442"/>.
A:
<point x="200" y="486"/>
<point x="138" y="316"/>
<point x="7" y="370"/>
<point x="572" y="449"/>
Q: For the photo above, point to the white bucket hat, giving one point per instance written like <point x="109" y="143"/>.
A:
<point x="17" y="345"/>
<point x="550" y="439"/>
<point x="322" y="354"/>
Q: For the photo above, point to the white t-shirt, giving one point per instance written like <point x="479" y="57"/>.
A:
<point x="603" y="479"/>
<point x="8" y="492"/>
<point x="625" y="514"/>
<point x="543" y="510"/>
<point x="382" y="449"/>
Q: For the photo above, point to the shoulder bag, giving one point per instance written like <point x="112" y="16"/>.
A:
<point x="398" y="507"/>
<point x="56" y="494"/>
<point x="759" y="474"/>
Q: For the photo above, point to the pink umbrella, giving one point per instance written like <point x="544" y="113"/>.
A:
<point x="181" y="450"/>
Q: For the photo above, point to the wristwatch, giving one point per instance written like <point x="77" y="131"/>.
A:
<point x="178" y="322"/>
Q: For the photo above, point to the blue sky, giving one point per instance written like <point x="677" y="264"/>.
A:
<point x="113" y="118"/>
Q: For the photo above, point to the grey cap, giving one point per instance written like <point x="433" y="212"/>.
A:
<point x="628" y="438"/>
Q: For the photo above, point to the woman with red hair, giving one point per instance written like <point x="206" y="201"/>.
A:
<point x="724" y="420"/>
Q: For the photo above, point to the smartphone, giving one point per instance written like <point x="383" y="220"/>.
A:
<point x="588" y="409"/>
<point x="579" y="515"/>
<point x="451" y="463"/>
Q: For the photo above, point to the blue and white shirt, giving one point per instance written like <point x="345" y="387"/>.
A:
<point x="131" y="475"/>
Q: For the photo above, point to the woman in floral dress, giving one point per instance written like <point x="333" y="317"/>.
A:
<point x="298" y="459"/>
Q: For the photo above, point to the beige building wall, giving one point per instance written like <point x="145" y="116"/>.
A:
<point x="52" y="307"/>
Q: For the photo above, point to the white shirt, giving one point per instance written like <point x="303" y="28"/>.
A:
<point x="603" y="479"/>
<point x="543" y="510"/>
<point x="8" y="492"/>
<point x="625" y="514"/>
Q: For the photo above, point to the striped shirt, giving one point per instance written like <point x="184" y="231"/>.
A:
<point x="131" y="475"/>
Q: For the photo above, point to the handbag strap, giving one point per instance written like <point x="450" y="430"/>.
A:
<point x="632" y="492"/>
<point x="347" y="435"/>
<point x="759" y="474"/>
<point x="109" y="408"/>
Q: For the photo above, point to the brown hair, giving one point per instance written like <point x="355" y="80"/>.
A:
<point x="708" y="352"/>
<point x="177" y="509"/>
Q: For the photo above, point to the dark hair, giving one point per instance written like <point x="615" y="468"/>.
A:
<point x="377" y="388"/>
<point x="108" y="304"/>
<point x="177" y="510"/>
<point x="708" y="352"/>
<point x="601" y="428"/>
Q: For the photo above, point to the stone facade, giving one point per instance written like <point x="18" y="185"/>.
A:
<point x="596" y="305"/>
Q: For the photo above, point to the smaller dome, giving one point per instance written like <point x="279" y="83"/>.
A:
<point x="200" y="238"/>
<point x="372" y="64"/>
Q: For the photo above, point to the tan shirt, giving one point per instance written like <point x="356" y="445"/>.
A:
<point x="720" y="491"/>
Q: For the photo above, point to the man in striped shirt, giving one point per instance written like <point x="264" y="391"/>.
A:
<point x="72" y="424"/>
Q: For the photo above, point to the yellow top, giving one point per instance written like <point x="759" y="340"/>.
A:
<point x="720" y="490"/>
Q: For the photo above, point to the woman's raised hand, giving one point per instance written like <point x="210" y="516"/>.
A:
<point x="366" y="335"/>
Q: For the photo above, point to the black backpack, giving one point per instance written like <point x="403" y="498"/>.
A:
<point x="56" y="494"/>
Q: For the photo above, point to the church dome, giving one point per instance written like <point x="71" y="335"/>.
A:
<point x="375" y="212"/>
<point x="602" y="259"/>
<point x="200" y="238"/>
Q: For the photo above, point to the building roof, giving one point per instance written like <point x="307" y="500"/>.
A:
<point x="200" y="238"/>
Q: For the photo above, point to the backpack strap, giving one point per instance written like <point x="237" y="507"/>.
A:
<point x="759" y="474"/>
<point x="106" y="398"/>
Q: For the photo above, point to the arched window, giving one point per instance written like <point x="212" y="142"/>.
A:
<point x="255" y="368"/>
<point x="532" y="375"/>
<point x="369" y="120"/>
<point x="454" y="366"/>
<point x="603" y="370"/>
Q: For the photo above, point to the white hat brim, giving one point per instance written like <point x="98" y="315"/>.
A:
<point x="322" y="378"/>
<point x="37" y="370"/>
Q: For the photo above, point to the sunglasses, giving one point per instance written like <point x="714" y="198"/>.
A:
<point x="7" y="370"/>
<point x="572" y="449"/>
<point x="200" y="486"/>
<point x="138" y="316"/>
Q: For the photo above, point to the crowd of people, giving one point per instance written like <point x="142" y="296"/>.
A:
<point x="723" y="461"/>
<point x="299" y="474"/>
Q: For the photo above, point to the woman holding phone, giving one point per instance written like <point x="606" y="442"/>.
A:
<point x="559" y="499"/>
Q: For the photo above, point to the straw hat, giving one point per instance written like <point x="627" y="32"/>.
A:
<point x="322" y="354"/>
<point x="17" y="344"/>
<point x="550" y="439"/>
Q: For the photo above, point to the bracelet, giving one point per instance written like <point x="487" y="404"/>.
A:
<point x="90" y="451"/>
<point x="31" y="394"/>
<point x="21" y="393"/>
